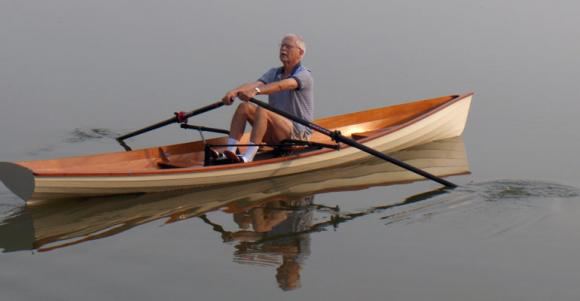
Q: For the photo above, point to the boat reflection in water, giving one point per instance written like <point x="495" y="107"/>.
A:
<point x="274" y="216"/>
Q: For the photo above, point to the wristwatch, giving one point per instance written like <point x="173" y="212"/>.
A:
<point x="258" y="91"/>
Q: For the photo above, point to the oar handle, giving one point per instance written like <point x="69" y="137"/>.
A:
<point x="338" y="137"/>
<point x="163" y="123"/>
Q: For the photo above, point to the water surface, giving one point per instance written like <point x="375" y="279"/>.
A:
<point x="74" y="74"/>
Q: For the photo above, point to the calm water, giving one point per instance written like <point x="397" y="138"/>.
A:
<point x="74" y="74"/>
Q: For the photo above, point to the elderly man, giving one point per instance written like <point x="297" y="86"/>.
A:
<point x="289" y="88"/>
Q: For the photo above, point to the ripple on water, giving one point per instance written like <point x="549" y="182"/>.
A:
<point x="520" y="189"/>
<point x="77" y="136"/>
<point x="521" y="200"/>
<point x="81" y="135"/>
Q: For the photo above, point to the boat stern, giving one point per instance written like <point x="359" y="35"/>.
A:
<point x="18" y="179"/>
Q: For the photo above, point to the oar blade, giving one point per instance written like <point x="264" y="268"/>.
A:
<point x="18" y="179"/>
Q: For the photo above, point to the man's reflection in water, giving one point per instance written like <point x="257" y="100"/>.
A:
<point x="275" y="233"/>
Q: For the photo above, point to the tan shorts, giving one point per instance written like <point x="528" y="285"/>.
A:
<point x="298" y="134"/>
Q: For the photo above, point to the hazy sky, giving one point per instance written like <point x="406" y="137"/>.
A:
<point x="125" y="64"/>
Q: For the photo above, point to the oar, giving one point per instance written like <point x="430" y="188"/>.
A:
<point x="167" y="122"/>
<point x="338" y="137"/>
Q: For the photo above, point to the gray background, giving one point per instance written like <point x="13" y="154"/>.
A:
<point x="120" y="65"/>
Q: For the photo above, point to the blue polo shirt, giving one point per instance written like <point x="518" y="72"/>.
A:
<point x="298" y="102"/>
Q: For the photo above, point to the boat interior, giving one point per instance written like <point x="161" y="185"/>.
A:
<point x="360" y="126"/>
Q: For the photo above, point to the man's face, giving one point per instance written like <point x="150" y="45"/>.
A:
<point x="289" y="51"/>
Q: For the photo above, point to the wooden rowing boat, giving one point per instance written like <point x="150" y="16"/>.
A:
<point x="387" y="130"/>
<point x="48" y="225"/>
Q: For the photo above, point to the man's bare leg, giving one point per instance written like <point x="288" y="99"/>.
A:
<point x="244" y="113"/>
<point x="269" y="127"/>
<point x="266" y="126"/>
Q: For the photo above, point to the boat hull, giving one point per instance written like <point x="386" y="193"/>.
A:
<point x="445" y="122"/>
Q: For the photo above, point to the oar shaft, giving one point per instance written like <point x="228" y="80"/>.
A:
<point x="399" y="163"/>
<point x="149" y="128"/>
<point x="168" y="121"/>
<point x="340" y="138"/>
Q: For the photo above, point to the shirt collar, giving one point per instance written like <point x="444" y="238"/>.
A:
<point x="280" y="70"/>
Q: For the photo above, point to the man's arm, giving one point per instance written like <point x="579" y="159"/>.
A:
<point x="282" y="85"/>
<point x="229" y="97"/>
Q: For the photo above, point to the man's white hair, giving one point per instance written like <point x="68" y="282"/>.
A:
<point x="299" y="41"/>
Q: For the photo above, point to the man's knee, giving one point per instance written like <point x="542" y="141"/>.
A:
<point x="261" y="112"/>
<point x="245" y="109"/>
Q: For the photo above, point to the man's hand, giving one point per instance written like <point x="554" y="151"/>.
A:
<point x="228" y="99"/>
<point x="244" y="92"/>
<point x="247" y="94"/>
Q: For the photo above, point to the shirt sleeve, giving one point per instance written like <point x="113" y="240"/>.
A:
<point x="304" y="79"/>
<point x="268" y="77"/>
